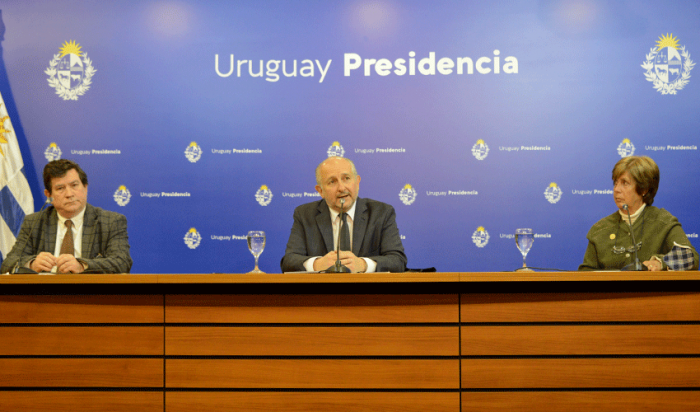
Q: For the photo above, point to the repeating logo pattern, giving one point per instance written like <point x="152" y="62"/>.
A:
<point x="480" y="237"/>
<point x="193" y="152"/>
<point x="407" y="195"/>
<point x="70" y="71"/>
<point x="480" y="150"/>
<point x="53" y="152"/>
<point x="626" y="148"/>
<point x="263" y="196"/>
<point x="668" y="66"/>
<point x="553" y="193"/>
<point x="193" y="238"/>
<point x="335" y="150"/>
<point x="122" y="196"/>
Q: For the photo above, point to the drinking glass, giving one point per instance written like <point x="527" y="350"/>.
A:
<point x="256" y="245"/>
<point x="524" y="238"/>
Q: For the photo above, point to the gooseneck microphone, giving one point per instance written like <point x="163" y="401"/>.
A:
<point x="337" y="267"/>
<point x="21" y="270"/>
<point x="637" y="264"/>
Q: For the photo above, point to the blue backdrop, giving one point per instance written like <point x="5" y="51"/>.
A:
<point x="200" y="121"/>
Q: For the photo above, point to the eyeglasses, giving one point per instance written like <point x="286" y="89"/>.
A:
<point x="618" y="250"/>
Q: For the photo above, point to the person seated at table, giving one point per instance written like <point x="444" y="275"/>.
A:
<point x="71" y="235"/>
<point x="372" y="243"/>
<point x="660" y="239"/>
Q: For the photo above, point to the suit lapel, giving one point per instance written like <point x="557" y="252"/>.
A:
<point x="323" y="220"/>
<point x="51" y="231"/>
<point x="359" y="226"/>
<point x="89" y="219"/>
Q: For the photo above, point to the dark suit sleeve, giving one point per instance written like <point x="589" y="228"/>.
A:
<point x="387" y="248"/>
<point x="297" y="252"/>
<point x="110" y="251"/>
<point x="30" y="250"/>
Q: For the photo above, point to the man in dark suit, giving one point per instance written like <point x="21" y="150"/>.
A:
<point x="71" y="236"/>
<point x="374" y="237"/>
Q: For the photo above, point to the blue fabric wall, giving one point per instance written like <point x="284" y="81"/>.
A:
<point x="525" y="135"/>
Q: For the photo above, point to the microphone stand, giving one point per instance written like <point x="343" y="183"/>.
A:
<point x="337" y="267"/>
<point x="637" y="264"/>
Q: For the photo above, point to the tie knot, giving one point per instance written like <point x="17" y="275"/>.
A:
<point x="69" y="224"/>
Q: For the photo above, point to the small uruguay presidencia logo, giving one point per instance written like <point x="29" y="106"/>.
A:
<point x="336" y="150"/>
<point x="53" y="152"/>
<point x="480" y="237"/>
<point x="480" y="150"/>
<point x="552" y="193"/>
<point x="408" y="195"/>
<point x="70" y="71"/>
<point x="263" y="196"/>
<point x="668" y="66"/>
<point x="626" y="148"/>
<point x="193" y="238"/>
<point x="122" y="196"/>
<point x="193" y="152"/>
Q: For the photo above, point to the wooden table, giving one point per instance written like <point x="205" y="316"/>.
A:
<point x="560" y="341"/>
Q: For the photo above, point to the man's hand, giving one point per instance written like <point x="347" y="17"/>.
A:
<point x="69" y="264"/>
<point x="325" y="262"/>
<point x="347" y="258"/>
<point x="352" y="262"/>
<point x="43" y="262"/>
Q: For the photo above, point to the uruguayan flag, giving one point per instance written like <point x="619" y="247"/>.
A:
<point x="16" y="199"/>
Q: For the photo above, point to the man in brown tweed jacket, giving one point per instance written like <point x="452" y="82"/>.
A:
<point x="70" y="236"/>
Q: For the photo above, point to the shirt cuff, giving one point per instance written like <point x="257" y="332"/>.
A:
<point x="309" y="264"/>
<point x="371" y="265"/>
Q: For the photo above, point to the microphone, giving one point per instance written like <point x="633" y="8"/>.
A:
<point x="337" y="267"/>
<point x="21" y="270"/>
<point x="637" y="264"/>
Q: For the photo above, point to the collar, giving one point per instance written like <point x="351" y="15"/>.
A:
<point x="350" y="212"/>
<point x="633" y="216"/>
<point x="77" y="219"/>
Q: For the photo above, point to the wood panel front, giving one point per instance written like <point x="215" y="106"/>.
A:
<point x="313" y="341"/>
<point x="81" y="340"/>
<point x="581" y="373"/>
<point x="588" y="401"/>
<point x="311" y="308"/>
<point x="313" y="373"/>
<point x="77" y="401"/>
<point x="81" y="309"/>
<point x="311" y="401"/>
<point x="581" y="340"/>
<point x="96" y="373"/>
<point x="580" y="307"/>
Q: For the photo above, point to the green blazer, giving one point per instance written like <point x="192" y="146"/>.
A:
<point x="656" y="228"/>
